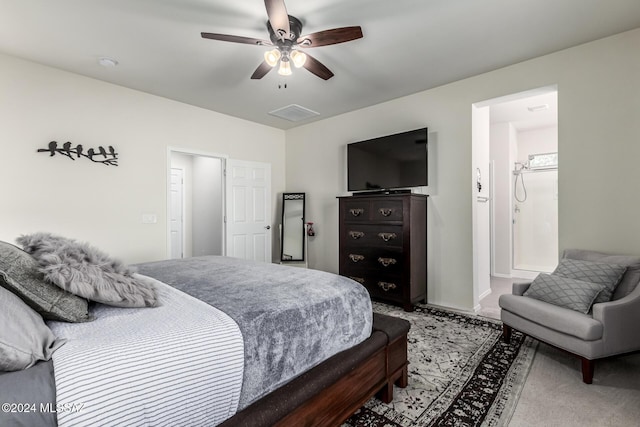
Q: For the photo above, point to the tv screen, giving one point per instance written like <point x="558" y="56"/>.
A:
<point x="389" y="162"/>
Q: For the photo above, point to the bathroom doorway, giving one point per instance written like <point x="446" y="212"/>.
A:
<point x="524" y="156"/>
<point x="514" y="150"/>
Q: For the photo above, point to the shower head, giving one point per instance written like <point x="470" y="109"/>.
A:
<point x="518" y="167"/>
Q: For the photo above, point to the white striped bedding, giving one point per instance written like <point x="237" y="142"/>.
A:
<point x="178" y="364"/>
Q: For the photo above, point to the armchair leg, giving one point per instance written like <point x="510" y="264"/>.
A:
<point x="506" y="333"/>
<point x="587" y="370"/>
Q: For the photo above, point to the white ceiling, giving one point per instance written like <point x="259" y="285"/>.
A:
<point x="408" y="45"/>
<point x="529" y="112"/>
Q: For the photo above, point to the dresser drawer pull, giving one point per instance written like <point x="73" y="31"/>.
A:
<point x="355" y="257"/>
<point x="355" y="235"/>
<point x="356" y="212"/>
<point x="386" y="286"/>
<point x="387" y="236"/>
<point x="386" y="261"/>
<point x="386" y="211"/>
<point x="357" y="279"/>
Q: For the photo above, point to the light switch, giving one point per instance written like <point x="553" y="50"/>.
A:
<point x="149" y="218"/>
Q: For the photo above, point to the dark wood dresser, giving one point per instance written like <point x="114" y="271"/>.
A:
<point x="383" y="245"/>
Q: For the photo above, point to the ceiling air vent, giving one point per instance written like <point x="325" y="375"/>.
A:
<point x="294" y="113"/>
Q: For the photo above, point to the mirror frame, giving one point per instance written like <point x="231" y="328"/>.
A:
<point x="290" y="197"/>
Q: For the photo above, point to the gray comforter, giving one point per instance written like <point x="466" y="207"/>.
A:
<point x="291" y="318"/>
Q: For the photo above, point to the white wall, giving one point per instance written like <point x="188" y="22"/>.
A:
<point x="207" y="206"/>
<point x="97" y="203"/>
<point x="599" y="99"/>
<point x="537" y="141"/>
<point x="480" y="204"/>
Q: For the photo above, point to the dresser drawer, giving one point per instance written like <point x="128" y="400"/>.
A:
<point x="383" y="287"/>
<point x="356" y="210"/>
<point x="366" y="235"/>
<point x="386" y="210"/>
<point x="382" y="261"/>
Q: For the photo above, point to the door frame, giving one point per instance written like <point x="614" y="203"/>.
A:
<point x="483" y="104"/>
<point x="193" y="152"/>
<point x="170" y="213"/>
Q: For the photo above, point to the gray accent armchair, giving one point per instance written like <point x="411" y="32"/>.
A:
<point x="611" y="328"/>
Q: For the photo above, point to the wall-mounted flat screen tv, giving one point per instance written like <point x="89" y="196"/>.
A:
<point x="389" y="162"/>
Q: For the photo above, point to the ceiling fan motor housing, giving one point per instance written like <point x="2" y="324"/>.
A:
<point x="286" y="41"/>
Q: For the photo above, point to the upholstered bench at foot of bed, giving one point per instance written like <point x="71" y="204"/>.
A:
<point x="329" y="393"/>
<point x="396" y="331"/>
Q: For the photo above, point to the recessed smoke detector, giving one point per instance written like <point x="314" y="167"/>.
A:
<point x="537" y="108"/>
<point x="294" y="113"/>
<point x="107" y="62"/>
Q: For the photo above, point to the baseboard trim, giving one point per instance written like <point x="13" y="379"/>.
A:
<point x="484" y="294"/>
<point x="524" y="274"/>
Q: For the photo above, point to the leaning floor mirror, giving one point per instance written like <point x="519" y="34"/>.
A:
<point x="292" y="231"/>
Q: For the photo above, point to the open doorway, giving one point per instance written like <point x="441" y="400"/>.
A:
<point x="195" y="204"/>
<point x="524" y="152"/>
<point x="515" y="140"/>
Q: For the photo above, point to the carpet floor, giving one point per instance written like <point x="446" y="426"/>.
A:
<point x="460" y="373"/>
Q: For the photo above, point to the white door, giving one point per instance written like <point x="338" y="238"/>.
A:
<point x="176" y="220"/>
<point x="248" y="218"/>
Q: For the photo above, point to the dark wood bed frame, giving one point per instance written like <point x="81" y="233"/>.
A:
<point x="331" y="392"/>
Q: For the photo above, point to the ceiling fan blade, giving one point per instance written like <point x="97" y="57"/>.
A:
<point x="235" y="39"/>
<point x="261" y="71"/>
<point x="317" y="68"/>
<point x="278" y="17"/>
<point x="327" y="37"/>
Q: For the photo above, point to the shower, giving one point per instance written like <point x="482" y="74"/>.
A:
<point x="536" y="163"/>
<point x="534" y="223"/>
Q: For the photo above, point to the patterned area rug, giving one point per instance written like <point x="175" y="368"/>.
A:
<point x="460" y="373"/>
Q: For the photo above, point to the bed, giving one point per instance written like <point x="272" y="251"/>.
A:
<point x="232" y="342"/>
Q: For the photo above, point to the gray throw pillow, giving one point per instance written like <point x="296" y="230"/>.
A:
<point x="561" y="291"/>
<point x="19" y="274"/>
<point x="601" y="273"/>
<point x="631" y="277"/>
<point x="24" y="337"/>
<point x="88" y="272"/>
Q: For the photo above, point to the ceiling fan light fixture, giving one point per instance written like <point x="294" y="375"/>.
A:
<point x="285" y="40"/>
<point x="298" y="58"/>
<point x="285" y="68"/>
<point x="272" y="57"/>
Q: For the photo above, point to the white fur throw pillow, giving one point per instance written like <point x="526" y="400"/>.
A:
<point x="88" y="272"/>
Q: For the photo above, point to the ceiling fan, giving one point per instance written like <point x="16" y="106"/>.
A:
<point x="284" y="32"/>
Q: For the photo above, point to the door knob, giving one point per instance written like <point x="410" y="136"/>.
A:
<point x="268" y="227"/>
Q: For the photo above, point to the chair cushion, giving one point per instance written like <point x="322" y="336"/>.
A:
<point x="631" y="277"/>
<point x="559" y="319"/>
<point x="564" y="292"/>
<point x="600" y="273"/>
